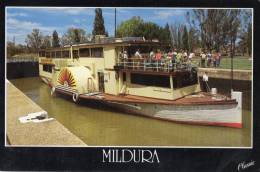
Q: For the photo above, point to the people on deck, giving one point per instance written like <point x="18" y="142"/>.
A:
<point x="151" y="56"/>
<point x="179" y="57"/>
<point x="158" y="57"/>
<point x="125" y="55"/>
<point x="174" y="56"/>
<point x="209" y="59"/>
<point x="191" y="55"/>
<point x="137" y="54"/>
<point x="218" y="57"/>
<point x="185" y="56"/>
<point x="203" y="59"/>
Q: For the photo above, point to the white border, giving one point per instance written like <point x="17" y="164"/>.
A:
<point x="165" y="8"/>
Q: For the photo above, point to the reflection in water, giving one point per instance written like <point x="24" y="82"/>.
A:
<point x="98" y="125"/>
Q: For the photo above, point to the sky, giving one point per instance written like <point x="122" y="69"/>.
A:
<point x="21" y="21"/>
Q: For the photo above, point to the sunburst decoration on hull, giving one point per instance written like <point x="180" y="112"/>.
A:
<point x="66" y="78"/>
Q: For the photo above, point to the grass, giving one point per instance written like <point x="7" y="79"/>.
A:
<point x="239" y="62"/>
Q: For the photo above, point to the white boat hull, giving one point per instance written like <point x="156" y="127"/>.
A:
<point x="229" y="115"/>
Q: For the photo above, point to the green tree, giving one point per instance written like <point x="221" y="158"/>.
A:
<point x="185" y="39"/>
<point x="55" y="39"/>
<point x="192" y="39"/>
<point x="136" y="27"/>
<point x="217" y="27"/>
<point x="131" y="27"/>
<point x="99" y="27"/>
<point x="166" y="34"/>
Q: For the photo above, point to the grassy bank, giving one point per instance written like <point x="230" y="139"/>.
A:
<point x="239" y="62"/>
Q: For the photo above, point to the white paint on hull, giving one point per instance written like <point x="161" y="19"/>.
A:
<point x="230" y="113"/>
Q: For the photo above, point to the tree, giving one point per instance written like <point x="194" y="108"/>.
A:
<point x="76" y="36"/>
<point x="55" y="39"/>
<point x="192" y="40"/>
<point x="34" y="40"/>
<point x="249" y="39"/>
<point x="99" y="28"/>
<point x="46" y="42"/>
<point x="136" y="27"/>
<point x="214" y="26"/>
<point x="10" y="49"/>
<point x="73" y="36"/>
<point x="185" y="39"/>
<point x="164" y="34"/>
<point x="131" y="27"/>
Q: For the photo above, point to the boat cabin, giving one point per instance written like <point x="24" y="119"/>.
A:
<point x="123" y="66"/>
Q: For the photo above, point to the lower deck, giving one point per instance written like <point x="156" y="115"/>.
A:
<point x="201" y="98"/>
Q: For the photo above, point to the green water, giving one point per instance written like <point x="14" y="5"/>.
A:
<point x="98" y="125"/>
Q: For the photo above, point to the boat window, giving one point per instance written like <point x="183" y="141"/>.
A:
<point x="124" y="76"/>
<point x="58" y="54"/>
<point x="65" y="54"/>
<point x="97" y="52"/>
<point x="41" y="53"/>
<point x="84" y="52"/>
<point x="47" y="68"/>
<point x="47" y="54"/>
<point x="185" y="79"/>
<point x="53" y="54"/>
<point x="75" y="53"/>
<point x="151" y="80"/>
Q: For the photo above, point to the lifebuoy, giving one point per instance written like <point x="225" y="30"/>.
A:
<point x="75" y="97"/>
<point x="52" y="91"/>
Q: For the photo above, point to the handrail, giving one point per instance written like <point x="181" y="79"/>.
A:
<point x="154" y="65"/>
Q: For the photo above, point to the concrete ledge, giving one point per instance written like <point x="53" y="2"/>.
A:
<point x="49" y="133"/>
<point x="244" y="75"/>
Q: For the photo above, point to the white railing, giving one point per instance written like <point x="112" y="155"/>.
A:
<point x="159" y="66"/>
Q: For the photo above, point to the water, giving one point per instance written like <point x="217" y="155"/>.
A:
<point x="98" y="125"/>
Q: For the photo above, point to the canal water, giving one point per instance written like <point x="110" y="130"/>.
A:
<point x="98" y="125"/>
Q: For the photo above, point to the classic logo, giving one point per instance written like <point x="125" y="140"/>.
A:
<point x="244" y="165"/>
<point x="130" y="155"/>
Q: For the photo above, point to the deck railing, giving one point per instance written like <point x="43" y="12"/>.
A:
<point x="154" y="65"/>
<point x="22" y="59"/>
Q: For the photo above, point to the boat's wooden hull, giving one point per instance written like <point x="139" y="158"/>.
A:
<point x="217" y="115"/>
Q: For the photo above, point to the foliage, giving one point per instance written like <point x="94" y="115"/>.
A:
<point x="55" y="39"/>
<point x="99" y="27"/>
<point x="73" y="36"/>
<point x="46" y="42"/>
<point x="131" y="27"/>
<point x="34" y="40"/>
<point x="13" y="49"/>
<point x="136" y="27"/>
<point x="218" y="28"/>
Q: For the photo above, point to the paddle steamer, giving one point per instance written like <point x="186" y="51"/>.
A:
<point x="163" y="90"/>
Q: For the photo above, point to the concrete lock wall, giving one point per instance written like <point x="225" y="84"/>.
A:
<point x="22" y="69"/>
